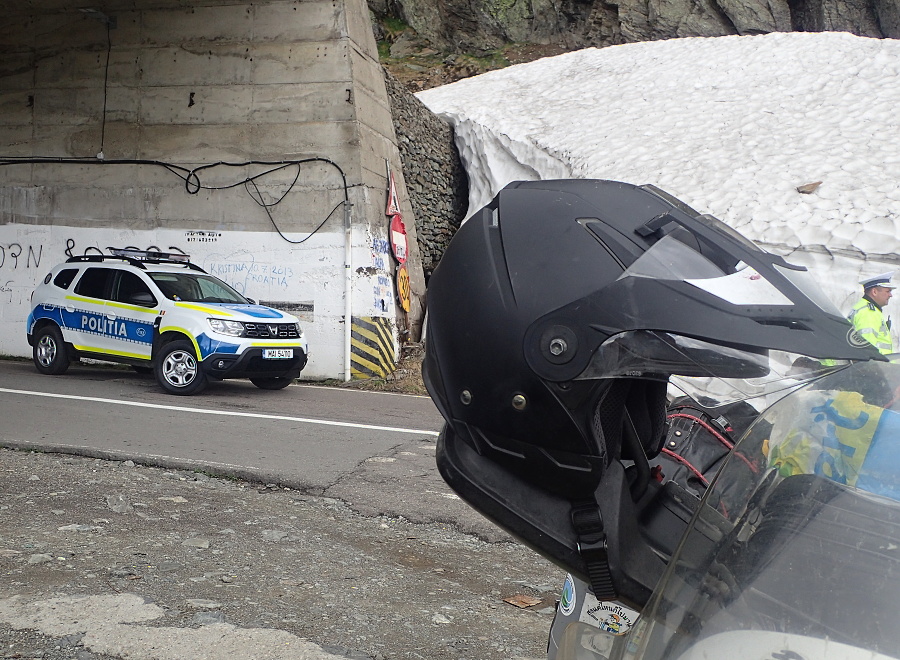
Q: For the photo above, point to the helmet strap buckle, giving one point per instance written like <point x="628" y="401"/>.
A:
<point x="588" y="524"/>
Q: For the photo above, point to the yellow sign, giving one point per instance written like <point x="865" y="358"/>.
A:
<point x="403" y="289"/>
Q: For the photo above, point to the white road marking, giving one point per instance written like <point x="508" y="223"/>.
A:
<point x="204" y="411"/>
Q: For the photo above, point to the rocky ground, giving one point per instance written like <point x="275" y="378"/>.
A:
<point x="225" y="557"/>
<point x="228" y="556"/>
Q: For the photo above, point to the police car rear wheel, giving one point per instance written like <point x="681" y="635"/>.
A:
<point x="177" y="369"/>
<point x="49" y="352"/>
<point x="277" y="383"/>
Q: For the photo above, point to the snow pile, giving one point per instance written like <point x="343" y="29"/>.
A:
<point x="732" y="126"/>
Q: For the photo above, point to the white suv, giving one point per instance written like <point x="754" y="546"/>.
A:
<point x="158" y="312"/>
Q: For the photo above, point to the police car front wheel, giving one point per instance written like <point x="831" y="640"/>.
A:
<point x="49" y="352"/>
<point x="177" y="369"/>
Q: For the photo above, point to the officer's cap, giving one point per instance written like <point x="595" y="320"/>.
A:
<point x="879" y="280"/>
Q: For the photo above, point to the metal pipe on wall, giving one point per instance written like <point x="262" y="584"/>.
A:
<point x="348" y="288"/>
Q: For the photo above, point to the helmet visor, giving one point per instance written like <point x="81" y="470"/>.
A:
<point x="710" y="373"/>
<point x="673" y="259"/>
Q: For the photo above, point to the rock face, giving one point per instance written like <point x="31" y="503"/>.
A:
<point x="435" y="177"/>
<point x="485" y="25"/>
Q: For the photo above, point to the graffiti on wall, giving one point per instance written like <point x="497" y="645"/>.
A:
<point x="240" y="270"/>
<point x="382" y="289"/>
<point x="18" y="270"/>
<point x="244" y="276"/>
<point x="14" y="256"/>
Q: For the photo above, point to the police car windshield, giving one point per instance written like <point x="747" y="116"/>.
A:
<point x="192" y="287"/>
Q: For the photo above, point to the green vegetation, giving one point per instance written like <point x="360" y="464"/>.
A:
<point x="499" y="8"/>
<point x="496" y="59"/>
<point x="392" y="26"/>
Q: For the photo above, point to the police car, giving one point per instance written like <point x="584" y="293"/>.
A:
<point x="160" y="313"/>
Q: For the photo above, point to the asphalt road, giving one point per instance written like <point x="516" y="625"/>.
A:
<point x="373" y="450"/>
<point x="304" y="437"/>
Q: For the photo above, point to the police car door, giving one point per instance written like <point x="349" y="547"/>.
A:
<point x="136" y="308"/>
<point x="93" y="326"/>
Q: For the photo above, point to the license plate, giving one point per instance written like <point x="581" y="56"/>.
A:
<point x="278" y="353"/>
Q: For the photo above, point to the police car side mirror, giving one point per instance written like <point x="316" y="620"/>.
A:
<point x="142" y="298"/>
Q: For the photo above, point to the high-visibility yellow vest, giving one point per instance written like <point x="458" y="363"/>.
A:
<point x="869" y="321"/>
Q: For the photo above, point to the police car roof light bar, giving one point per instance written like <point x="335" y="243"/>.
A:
<point x="138" y="258"/>
<point x="149" y="255"/>
<point x="135" y="257"/>
<point x="104" y="257"/>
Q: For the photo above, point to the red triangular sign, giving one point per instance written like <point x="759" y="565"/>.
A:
<point x="393" y="205"/>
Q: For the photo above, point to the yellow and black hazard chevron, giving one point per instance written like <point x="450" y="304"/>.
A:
<point x="372" y="352"/>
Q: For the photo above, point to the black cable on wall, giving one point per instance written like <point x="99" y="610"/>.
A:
<point x="193" y="183"/>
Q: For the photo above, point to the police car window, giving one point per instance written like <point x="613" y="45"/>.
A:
<point x="216" y="291"/>
<point x="189" y="287"/>
<point x="94" y="283"/>
<point x="128" y="285"/>
<point x="64" y="277"/>
<point x="176" y="286"/>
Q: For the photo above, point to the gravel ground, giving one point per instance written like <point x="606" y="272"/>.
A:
<point x="218" y="555"/>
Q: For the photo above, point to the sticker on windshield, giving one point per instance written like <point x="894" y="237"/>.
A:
<point x="567" y="597"/>
<point x="608" y="616"/>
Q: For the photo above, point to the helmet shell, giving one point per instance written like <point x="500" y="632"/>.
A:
<point x="531" y="286"/>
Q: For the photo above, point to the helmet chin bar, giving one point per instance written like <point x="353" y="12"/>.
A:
<point x="632" y="544"/>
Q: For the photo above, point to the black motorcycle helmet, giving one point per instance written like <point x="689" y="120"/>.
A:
<point x="555" y="318"/>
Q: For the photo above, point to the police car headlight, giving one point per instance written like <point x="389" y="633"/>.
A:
<point x="223" y="327"/>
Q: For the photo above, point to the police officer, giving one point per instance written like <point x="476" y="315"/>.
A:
<point x="868" y="317"/>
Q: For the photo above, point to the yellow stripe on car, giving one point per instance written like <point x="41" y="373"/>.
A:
<point x="107" y="351"/>
<point x="189" y="335"/>
<point x="111" y="303"/>
<point x="206" y="310"/>
<point x="96" y="301"/>
<point x="133" y="308"/>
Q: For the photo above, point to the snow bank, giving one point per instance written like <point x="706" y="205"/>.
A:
<point x="730" y="125"/>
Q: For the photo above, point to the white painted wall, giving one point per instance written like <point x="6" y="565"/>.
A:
<point x="258" y="264"/>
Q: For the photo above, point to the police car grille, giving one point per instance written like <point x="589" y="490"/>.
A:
<point x="272" y="330"/>
<point x="257" y="365"/>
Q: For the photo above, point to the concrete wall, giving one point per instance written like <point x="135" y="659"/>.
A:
<point x="233" y="131"/>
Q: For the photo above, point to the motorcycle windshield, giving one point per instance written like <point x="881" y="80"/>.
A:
<point x="795" y="549"/>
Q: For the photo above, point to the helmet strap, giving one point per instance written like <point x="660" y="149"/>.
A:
<point x="588" y="524"/>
